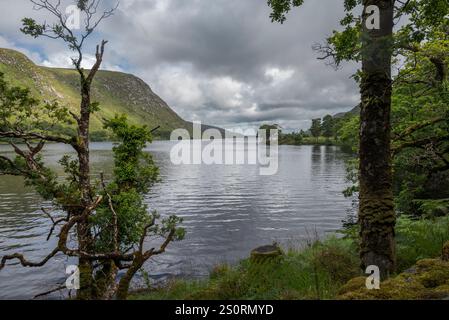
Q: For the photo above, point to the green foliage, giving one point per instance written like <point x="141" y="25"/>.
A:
<point x="294" y="138"/>
<point x="102" y="135"/>
<point x="59" y="29"/>
<point x="133" y="167"/>
<point x="316" y="129"/>
<point x="134" y="174"/>
<point x="19" y="111"/>
<point x="423" y="17"/>
<point x="431" y="208"/>
<point x="352" y="176"/>
<point x="328" y="126"/>
<point x="345" y="45"/>
<point x="82" y="4"/>
<point x="348" y="133"/>
<point x="281" y="8"/>
<point x="420" y="110"/>
<point x="21" y="114"/>
<point x="30" y="27"/>
<point x="420" y="239"/>
<point x="416" y="239"/>
<point x="421" y="122"/>
<point x="94" y="107"/>
<point x="35" y="30"/>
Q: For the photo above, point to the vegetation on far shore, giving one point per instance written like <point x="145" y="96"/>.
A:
<point x="326" y="131"/>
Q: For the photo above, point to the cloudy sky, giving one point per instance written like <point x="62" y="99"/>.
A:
<point x="221" y="62"/>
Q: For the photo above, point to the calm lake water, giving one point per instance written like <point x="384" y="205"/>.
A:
<point x="227" y="210"/>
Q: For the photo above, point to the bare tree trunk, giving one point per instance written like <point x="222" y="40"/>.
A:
<point x="376" y="212"/>
<point x="83" y="229"/>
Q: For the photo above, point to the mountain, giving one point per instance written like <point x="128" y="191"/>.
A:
<point x="353" y="112"/>
<point x="117" y="92"/>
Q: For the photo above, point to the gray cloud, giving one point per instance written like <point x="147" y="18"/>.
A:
<point x="222" y="62"/>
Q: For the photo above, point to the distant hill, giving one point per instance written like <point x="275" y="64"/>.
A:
<point x="117" y="92"/>
<point x="354" y="111"/>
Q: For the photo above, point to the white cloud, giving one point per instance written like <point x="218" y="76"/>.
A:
<point x="176" y="84"/>
<point x="191" y="92"/>
<point x="64" y="60"/>
<point x="227" y="92"/>
<point x="278" y="76"/>
<point x="8" y="44"/>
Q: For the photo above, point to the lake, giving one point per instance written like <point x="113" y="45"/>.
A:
<point x="228" y="210"/>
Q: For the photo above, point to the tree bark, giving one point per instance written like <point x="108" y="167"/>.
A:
<point x="83" y="230"/>
<point x="376" y="211"/>
<point x="105" y="280"/>
<point x="87" y="290"/>
<point x="125" y="281"/>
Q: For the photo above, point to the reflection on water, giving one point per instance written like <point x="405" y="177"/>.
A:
<point x="227" y="210"/>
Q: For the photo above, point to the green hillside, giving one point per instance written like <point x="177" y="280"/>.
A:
<point x="117" y="93"/>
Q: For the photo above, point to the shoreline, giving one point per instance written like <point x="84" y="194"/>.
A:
<point x="324" y="269"/>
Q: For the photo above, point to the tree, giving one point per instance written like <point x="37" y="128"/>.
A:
<point x="328" y="126"/>
<point x="376" y="215"/>
<point x="315" y="129"/>
<point x="376" y="212"/>
<point x="110" y="220"/>
<point x="267" y="129"/>
<point x="421" y="125"/>
<point x="60" y="30"/>
<point x="370" y="40"/>
<point x="134" y="174"/>
<point x="420" y="110"/>
<point x="293" y="138"/>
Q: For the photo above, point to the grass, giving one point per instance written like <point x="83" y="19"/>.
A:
<point x="299" y="274"/>
<point x="316" y="271"/>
